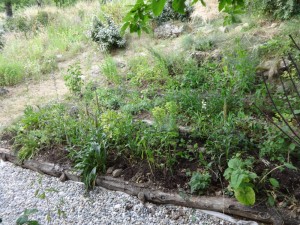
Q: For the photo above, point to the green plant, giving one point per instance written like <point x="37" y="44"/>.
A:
<point x="145" y="71"/>
<point x="24" y="218"/>
<point x="169" y="13"/>
<point x="42" y="193"/>
<point x="138" y="16"/>
<point x="200" y="182"/>
<point x="11" y="72"/>
<point x="74" y="79"/>
<point x="116" y="126"/>
<point x="166" y="117"/>
<point x="109" y="70"/>
<point x="241" y="180"/>
<point x="90" y="161"/>
<point x="107" y="35"/>
<point x="280" y="9"/>
<point x="42" y="18"/>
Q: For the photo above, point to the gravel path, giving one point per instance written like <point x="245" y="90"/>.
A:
<point x="17" y="192"/>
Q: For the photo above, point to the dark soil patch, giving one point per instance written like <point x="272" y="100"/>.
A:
<point x="57" y="155"/>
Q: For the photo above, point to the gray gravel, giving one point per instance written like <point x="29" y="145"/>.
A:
<point x="101" y="206"/>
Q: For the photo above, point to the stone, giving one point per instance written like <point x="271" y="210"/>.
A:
<point x="141" y="197"/>
<point x="238" y="28"/>
<point x="273" y="67"/>
<point x="200" y="56"/>
<point x="95" y="71"/>
<point x="117" y="173"/>
<point x="273" y="25"/>
<point x="74" y="111"/>
<point x="110" y="170"/>
<point x="245" y="25"/>
<point x="63" y="177"/>
<point x="3" y="91"/>
<point x="128" y="206"/>
<point x="224" y="29"/>
<point x="168" y="30"/>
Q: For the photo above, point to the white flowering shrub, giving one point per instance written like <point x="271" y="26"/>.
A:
<point x="107" y="35"/>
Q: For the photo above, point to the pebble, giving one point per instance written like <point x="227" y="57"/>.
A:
<point x="117" y="173"/>
<point x="100" y="206"/>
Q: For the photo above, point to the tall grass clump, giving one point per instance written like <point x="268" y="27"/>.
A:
<point x="39" y="37"/>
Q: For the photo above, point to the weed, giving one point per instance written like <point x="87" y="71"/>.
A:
<point x="74" y="79"/>
<point x="199" y="182"/>
<point x="109" y="70"/>
<point x="241" y="180"/>
<point x="90" y="161"/>
<point x="145" y="71"/>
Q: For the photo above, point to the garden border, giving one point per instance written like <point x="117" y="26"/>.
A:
<point x="144" y="191"/>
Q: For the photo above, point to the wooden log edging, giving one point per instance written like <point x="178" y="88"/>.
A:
<point x="219" y="204"/>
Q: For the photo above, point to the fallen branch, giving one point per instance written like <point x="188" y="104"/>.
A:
<point x="219" y="204"/>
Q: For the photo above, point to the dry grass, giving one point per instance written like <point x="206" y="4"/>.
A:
<point x="206" y="14"/>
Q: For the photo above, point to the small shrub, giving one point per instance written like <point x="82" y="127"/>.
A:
<point x="109" y="70"/>
<point x="199" y="182"/>
<point x="280" y="9"/>
<point x="74" y="79"/>
<point x="169" y="14"/>
<point x="11" y="72"/>
<point x="42" y="18"/>
<point x="107" y="35"/>
<point x="146" y="70"/>
<point x="241" y="180"/>
<point x="90" y="161"/>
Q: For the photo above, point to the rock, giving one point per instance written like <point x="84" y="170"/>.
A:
<point x="273" y="67"/>
<point x="120" y="63"/>
<point x="110" y="170"/>
<point x="200" y="56"/>
<point x="168" y="30"/>
<point x="117" y="173"/>
<point x="141" y="196"/>
<point x="216" y="54"/>
<point x="95" y="71"/>
<point x="273" y="25"/>
<point x="59" y="58"/>
<point x="176" y="215"/>
<point x="74" y="111"/>
<point x="63" y="177"/>
<point x="238" y="28"/>
<point x="117" y="207"/>
<point x="128" y="206"/>
<point x="3" y="91"/>
<point x="224" y="29"/>
<point x="245" y="25"/>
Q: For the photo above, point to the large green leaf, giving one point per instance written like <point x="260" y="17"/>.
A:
<point x="245" y="195"/>
<point x="234" y="163"/>
<point x="274" y="182"/>
<point x="237" y="178"/>
<point x="179" y="6"/>
<point x="158" y="6"/>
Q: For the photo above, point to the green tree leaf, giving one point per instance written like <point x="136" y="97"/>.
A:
<point x="245" y="195"/>
<point x="179" y="6"/>
<point x="234" y="163"/>
<point x="274" y="182"/>
<point x="158" y="6"/>
<point x="290" y="166"/>
<point x="237" y="178"/>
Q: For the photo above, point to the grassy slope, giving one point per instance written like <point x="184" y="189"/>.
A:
<point x="163" y="84"/>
